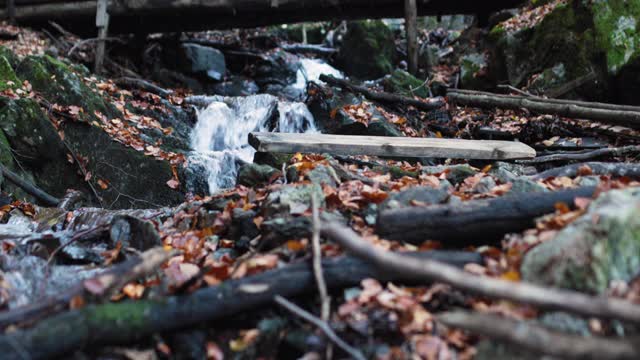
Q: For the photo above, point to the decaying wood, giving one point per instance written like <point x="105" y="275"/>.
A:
<point x="586" y="155"/>
<point x="605" y="113"/>
<point x="126" y="322"/>
<point x="28" y="187"/>
<point x="390" y="146"/>
<point x="189" y="15"/>
<point x="522" y="292"/>
<point x="631" y="170"/>
<point x="411" y="28"/>
<point x="473" y="222"/>
<point x="383" y="96"/>
<point x="540" y="340"/>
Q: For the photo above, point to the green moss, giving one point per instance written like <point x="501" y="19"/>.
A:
<point x="368" y="49"/>
<point x="617" y="31"/>
<point x="5" y="151"/>
<point x="60" y="84"/>
<point x="403" y="83"/>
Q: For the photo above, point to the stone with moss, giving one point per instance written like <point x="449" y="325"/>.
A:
<point x="255" y="174"/>
<point x="8" y="78"/>
<point x="36" y="146"/>
<point x="589" y="254"/>
<point x="60" y="83"/>
<point x="367" y="50"/>
<point x="403" y="83"/>
<point x="473" y="71"/>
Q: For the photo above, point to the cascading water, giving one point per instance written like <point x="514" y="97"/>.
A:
<point x="220" y="137"/>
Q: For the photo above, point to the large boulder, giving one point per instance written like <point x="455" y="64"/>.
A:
<point x="367" y="50"/>
<point x="575" y="40"/>
<point x="601" y="246"/>
<point x="202" y="61"/>
<point x="63" y="84"/>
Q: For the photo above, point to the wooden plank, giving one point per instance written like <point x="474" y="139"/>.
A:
<point x="390" y="146"/>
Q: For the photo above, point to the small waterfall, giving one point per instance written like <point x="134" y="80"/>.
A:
<point x="220" y="137"/>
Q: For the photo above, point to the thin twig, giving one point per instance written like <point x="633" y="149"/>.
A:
<point x="322" y="325"/>
<point x="434" y="271"/>
<point x="538" y="339"/>
<point x="514" y="89"/>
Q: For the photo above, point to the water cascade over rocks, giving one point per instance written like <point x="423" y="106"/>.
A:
<point x="220" y="137"/>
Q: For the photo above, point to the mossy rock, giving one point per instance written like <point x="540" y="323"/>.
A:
<point x="473" y="70"/>
<point x="37" y="147"/>
<point x="255" y="174"/>
<point x="403" y="83"/>
<point x="368" y="49"/>
<point x="10" y="56"/>
<point x="129" y="178"/>
<point x="588" y="254"/>
<point x="8" y="78"/>
<point x="59" y="83"/>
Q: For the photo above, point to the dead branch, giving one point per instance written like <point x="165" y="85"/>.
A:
<point x="592" y="168"/>
<point x="582" y="156"/>
<point x="129" y="82"/>
<point x="605" y="113"/>
<point x="29" y="188"/>
<point x="434" y="271"/>
<point x="112" y="323"/>
<point x="320" y="324"/>
<point x="306" y="48"/>
<point x="317" y="262"/>
<point x="538" y="339"/>
<point x="474" y="222"/>
<point x="383" y="96"/>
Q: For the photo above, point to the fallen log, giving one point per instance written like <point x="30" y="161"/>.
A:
<point x="382" y="96"/>
<point x="474" y="222"/>
<point x="540" y="340"/>
<point x="605" y="113"/>
<point x="308" y="48"/>
<point x="192" y="15"/>
<point x="125" y="322"/>
<point x="41" y="195"/>
<point x="582" y="156"/>
<point x="631" y="170"/>
<point x="390" y="146"/>
<point x="428" y="270"/>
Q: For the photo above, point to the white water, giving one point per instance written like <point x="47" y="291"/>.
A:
<point x="220" y="137"/>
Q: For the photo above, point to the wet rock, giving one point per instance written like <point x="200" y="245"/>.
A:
<point x="276" y="71"/>
<point x="237" y="86"/>
<point x="202" y="61"/>
<point x="252" y="175"/>
<point x="329" y="114"/>
<point x="415" y="195"/>
<point x="62" y="84"/>
<point x="403" y="83"/>
<point x="133" y="232"/>
<point x="281" y="229"/>
<point x="367" y="50"/>
<point x="589" y="180"/>
<point x="588" y="254"/>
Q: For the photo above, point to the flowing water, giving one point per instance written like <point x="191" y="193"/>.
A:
<point x="220" y="137"/>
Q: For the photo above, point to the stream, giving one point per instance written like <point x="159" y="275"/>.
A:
<point x="220" y="136"/>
